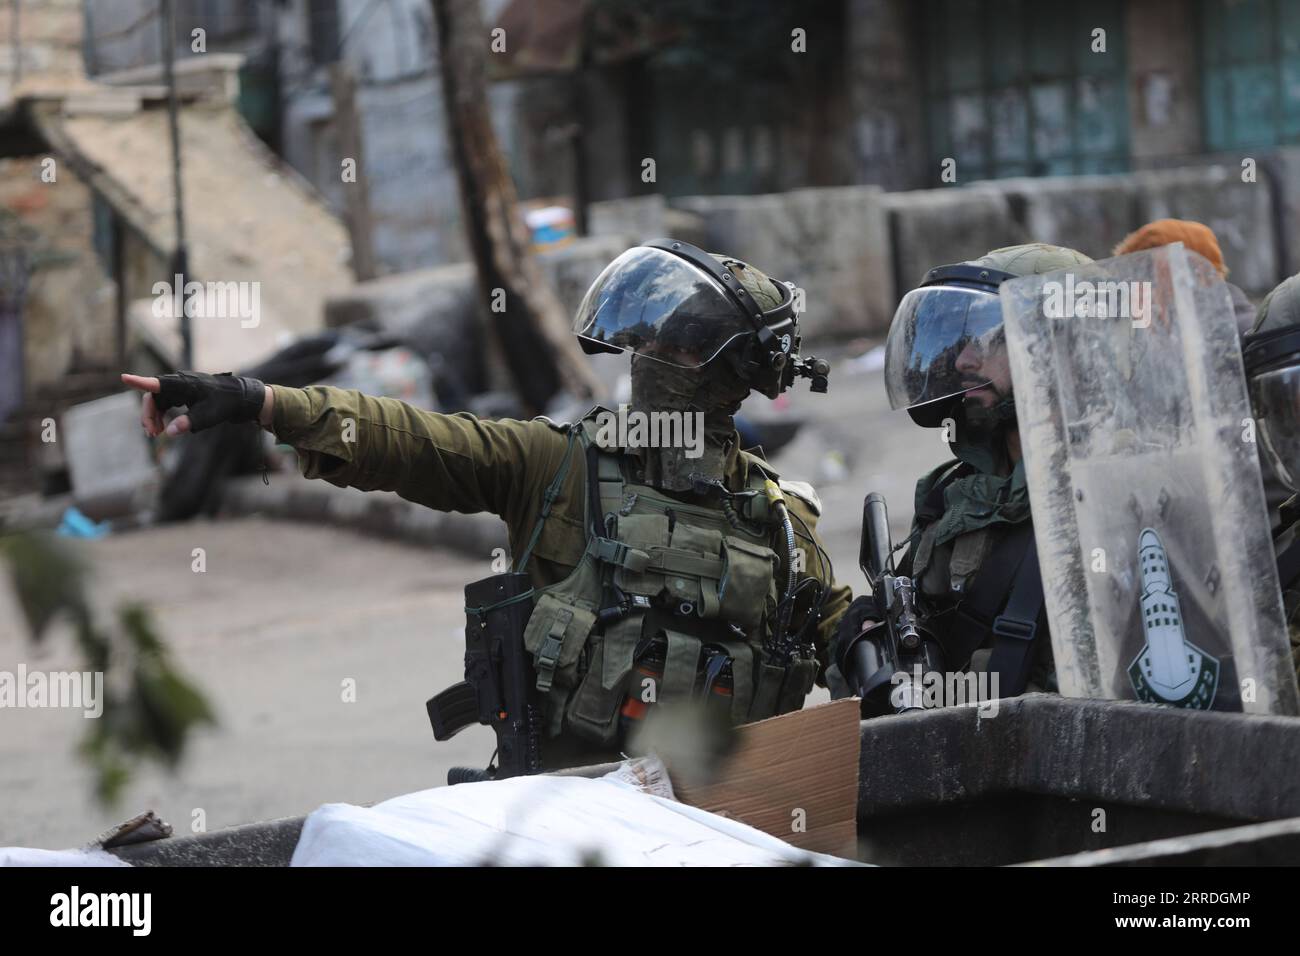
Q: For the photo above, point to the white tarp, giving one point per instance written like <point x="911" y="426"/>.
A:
<point x="542" y="820"/>
<point x="26" y="856"/>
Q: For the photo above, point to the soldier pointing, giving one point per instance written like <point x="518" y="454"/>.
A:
<point x="693" y="563"/>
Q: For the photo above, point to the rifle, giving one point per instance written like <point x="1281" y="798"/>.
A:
<point x="880" y="662"/>
<point x="499" y="688"/>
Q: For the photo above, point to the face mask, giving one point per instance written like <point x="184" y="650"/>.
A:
<point x="711" y="395"/>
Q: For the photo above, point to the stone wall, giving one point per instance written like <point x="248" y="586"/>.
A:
<point x="50" y="32"/>
<point x="68" y="317"/>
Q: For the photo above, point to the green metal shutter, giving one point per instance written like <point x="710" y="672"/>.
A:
<point x="1250" y="55"/>
<point x="1013" y="88"/>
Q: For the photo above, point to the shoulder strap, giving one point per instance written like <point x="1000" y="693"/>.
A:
<point x="1015" y="629"/>
<point x="605" y="484"/>
<point x="1011" y="569"/>
<point x="609" y="481"/>
<point x="548" y="499"/>
<point x="930" y="505"/>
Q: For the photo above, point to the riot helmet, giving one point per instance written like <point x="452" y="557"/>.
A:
<point x="1271" y="355"/>
<point x="672" y="302"/>
<point x="947" y="343"/>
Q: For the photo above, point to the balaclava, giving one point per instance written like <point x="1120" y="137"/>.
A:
<point x="714" y="390"/>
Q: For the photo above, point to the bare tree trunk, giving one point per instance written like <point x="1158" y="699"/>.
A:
<point x="539" y="349"/>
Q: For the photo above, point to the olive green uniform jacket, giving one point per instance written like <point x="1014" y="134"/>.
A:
<point x="466" y="464"/>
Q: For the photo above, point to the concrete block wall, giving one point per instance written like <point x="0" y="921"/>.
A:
<point x="833" y="243"/>
<point x="1238" y="212"/>
<point x="855" y="249"/>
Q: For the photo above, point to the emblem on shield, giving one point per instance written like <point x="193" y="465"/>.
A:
<point x="1169" y="669"/>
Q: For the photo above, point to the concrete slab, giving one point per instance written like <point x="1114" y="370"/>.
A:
<point x="109" y="457"/>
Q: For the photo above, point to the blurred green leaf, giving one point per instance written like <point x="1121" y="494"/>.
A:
<point x="47" y="577"/>
<point x="153" y="718"/>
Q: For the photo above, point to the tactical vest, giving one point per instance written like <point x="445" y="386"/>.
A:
<point x="991" y="590"/>
<point x="697" y="582"/>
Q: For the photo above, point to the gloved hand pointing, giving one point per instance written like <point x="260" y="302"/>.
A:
<point x="208" y="399"/>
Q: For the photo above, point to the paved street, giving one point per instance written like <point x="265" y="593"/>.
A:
<point x="286" y="613"/>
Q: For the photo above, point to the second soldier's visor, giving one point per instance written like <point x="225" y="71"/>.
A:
<point x="1272" y="361"/>
<point x="938" y="342"/>
<point x="659" y="305"/>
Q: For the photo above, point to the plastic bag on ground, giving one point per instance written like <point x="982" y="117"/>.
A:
<point x="539" y="821"/>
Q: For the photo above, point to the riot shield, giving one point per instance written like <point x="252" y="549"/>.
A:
<point x="1144" y="482"/>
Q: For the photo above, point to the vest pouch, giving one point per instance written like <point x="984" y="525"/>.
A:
<point x="555" y="635"/>
<point x="592" y="711"/>
<point x="683" y="576"/>
<point x="799" y="679"/>
<point x="692" y="568"/>
<point x="748" y="581"/>
<point x="644" y="533"/>
<point x="767" y="694"/>
<point x="969" y="552"/>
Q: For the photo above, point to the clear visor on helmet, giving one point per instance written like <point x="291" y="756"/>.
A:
<point x="938" y="343"/>
<point x="1275" y="394"/>
<point x="656" y="304"/>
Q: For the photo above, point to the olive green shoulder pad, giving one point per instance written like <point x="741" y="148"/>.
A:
<point x="553" y="424"/>
<point x="756" y="469"/>
<point x="565" y="426"/>
<point x="930" y="479"/>
<point x="589" y="433"/>
<point x="804" y="492"/>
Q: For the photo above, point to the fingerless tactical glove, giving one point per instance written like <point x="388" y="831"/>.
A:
<point x="211" y="399"/>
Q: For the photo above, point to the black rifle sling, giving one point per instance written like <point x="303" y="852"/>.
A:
<point x="1010" y="570"/>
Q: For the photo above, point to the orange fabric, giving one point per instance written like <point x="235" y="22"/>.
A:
<point x="1196" y="236"/>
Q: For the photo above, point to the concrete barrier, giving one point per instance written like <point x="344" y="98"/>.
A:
<point x="932" y="227"/>
<point x="833" y="243"/>
<point x="1087" y="213"/>
<point x="1052" y="776"/>
<point x="435" y="311"/>
<point x="573" y="267"/>
<point x="1240" y="213"/>
<point x="294" y="498"/>
<point x="1283" y="169"/>
<point x="634" y="219"/>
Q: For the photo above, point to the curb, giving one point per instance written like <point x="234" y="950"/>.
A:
<point x="382" y="513"/>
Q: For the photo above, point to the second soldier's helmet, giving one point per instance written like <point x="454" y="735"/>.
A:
<point x="670" y="301"/>
<point x="1271" y="354"/>
<point x="944" y="329"/>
